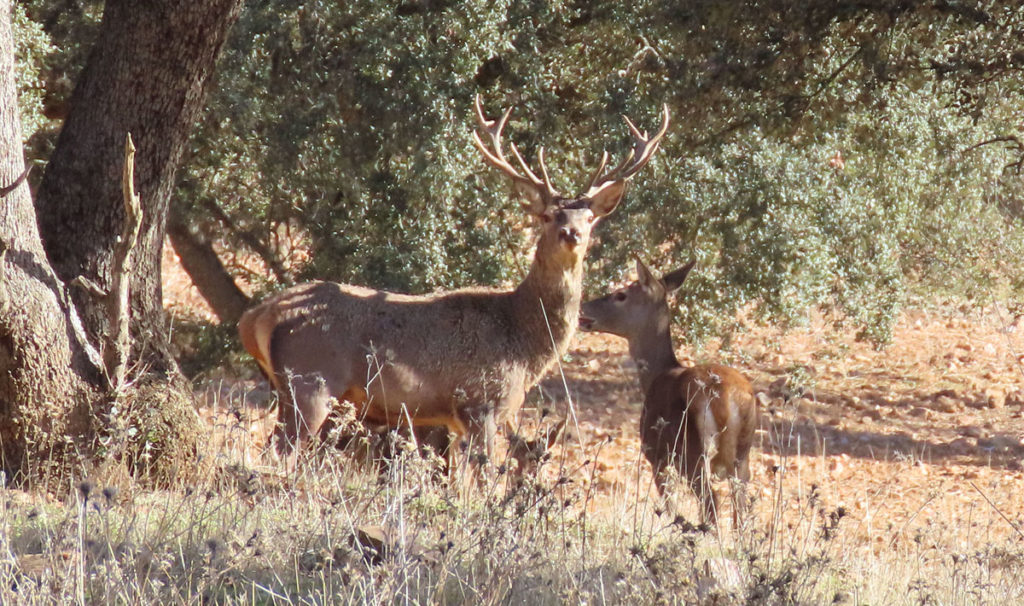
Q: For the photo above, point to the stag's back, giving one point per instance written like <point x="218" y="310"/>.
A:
<point x="422" y="351"/>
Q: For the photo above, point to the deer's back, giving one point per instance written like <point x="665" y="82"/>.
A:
<point x="417" y="350"/>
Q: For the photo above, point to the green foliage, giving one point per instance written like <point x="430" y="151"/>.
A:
<point x="52" y="40"/>
<point x="375" y="163"/>
<point x="350" y="125"/>
<point x="776" y="226"/>
<point x="31" y="47"/>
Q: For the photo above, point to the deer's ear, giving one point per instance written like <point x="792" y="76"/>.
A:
<point x="604" y="201"/>
<point x="644" y="275"/>
<point x="555" y="432"/>
<point x="673" y="280"/>
<point x="531" y="200"/>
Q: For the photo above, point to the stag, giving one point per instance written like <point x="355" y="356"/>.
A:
<point x="462" y="359"/>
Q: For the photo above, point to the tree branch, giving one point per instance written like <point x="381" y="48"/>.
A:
<point x="253" y="241"/>
<point x="115" y="354"/>
<point x="13" y="186"/>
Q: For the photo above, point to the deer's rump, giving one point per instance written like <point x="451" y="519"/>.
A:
<point x="687" y="409"/>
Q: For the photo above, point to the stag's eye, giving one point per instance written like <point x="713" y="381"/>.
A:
<point x="619" y="296"/>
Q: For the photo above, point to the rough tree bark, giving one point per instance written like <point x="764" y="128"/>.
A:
<point x="145" y="75"/>
<point x="48" y="382"/>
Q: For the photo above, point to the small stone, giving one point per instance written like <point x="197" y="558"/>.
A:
<point x="963" y="445"/>
<point x="973" y="431"/>
<point x="994" y="398"/>
<point x="804" y="406"/>
<point x="946" y="404"/>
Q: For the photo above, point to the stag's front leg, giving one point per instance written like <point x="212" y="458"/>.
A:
<point x="477" y="445"/>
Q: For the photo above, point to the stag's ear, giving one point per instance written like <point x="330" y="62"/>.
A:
<point x="644" y="275"/>
<point x="605" y="199"/>
<point x="530" y="200"/>
<point x="673" y="280"/>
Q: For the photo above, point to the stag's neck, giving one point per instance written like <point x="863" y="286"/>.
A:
<point x="653" y="353"/>
<point x="548" y="301"/>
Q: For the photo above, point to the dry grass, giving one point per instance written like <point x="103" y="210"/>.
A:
<point x="880" y="478"/>
<point x="338" y="531"/>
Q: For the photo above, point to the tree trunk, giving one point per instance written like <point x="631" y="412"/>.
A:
<point x="145" y="75"/>
<point x="206" y="270"/>
<point x="48" y="383"/>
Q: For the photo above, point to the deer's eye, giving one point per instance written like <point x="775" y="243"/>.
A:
<point x="619" y="296"/>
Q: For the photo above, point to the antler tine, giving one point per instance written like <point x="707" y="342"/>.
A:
<point x="643" y="149"/>
<point x="544" y="169"/>
<point x="496" y="157"/>
<point x="526" y="167"/>
<point x="594" y="176"/>
<point x="488" y="125"/>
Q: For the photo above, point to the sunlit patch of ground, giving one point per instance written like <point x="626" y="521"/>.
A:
<point x="918" y="445"/>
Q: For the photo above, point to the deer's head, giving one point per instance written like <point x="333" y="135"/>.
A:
<point x="531" y="454"/>
<point x="636" y="308"/>
<point x="566" y="222"/>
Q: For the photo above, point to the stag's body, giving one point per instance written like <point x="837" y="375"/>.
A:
<point x="697" y="420"/>
<point x="462" y="359"/>
<point x="448" y="359"/>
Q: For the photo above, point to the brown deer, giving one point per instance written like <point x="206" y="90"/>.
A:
<point x="462" y="359"/>
<point x="697" y="421"/>
<point x="528" y="454"/>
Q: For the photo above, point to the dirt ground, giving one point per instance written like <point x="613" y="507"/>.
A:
<point x="924" y="438"/>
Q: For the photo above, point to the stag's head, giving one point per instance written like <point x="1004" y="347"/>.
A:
<point x="566" y="222"/>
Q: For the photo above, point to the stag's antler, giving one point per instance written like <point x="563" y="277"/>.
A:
<point x="643" y="149"/>
<point x="535" y="188"/>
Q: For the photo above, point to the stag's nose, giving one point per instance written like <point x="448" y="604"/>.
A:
<point x="570" y="235"/>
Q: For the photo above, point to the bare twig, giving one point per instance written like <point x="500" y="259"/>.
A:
<point x="115" y="354"/>
<point x="1014" y="142"/>
<point x="1013" y="145"/>
<point x="89" y="286"/>
<point x="993" y="506"/>
<point x="13" y="186"/>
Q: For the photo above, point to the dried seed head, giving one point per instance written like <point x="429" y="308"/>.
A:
<point x="85" y="488"/>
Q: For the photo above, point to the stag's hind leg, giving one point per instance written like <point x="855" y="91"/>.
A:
<point x="304" y="404"/>
<point x="700" y="483"/>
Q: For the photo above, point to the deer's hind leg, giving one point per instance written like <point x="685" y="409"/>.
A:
<point x="741" y="472"/>
<point x="304" y="405"/>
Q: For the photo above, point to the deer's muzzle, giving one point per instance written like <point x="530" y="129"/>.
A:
<point x="569" y="235"/>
